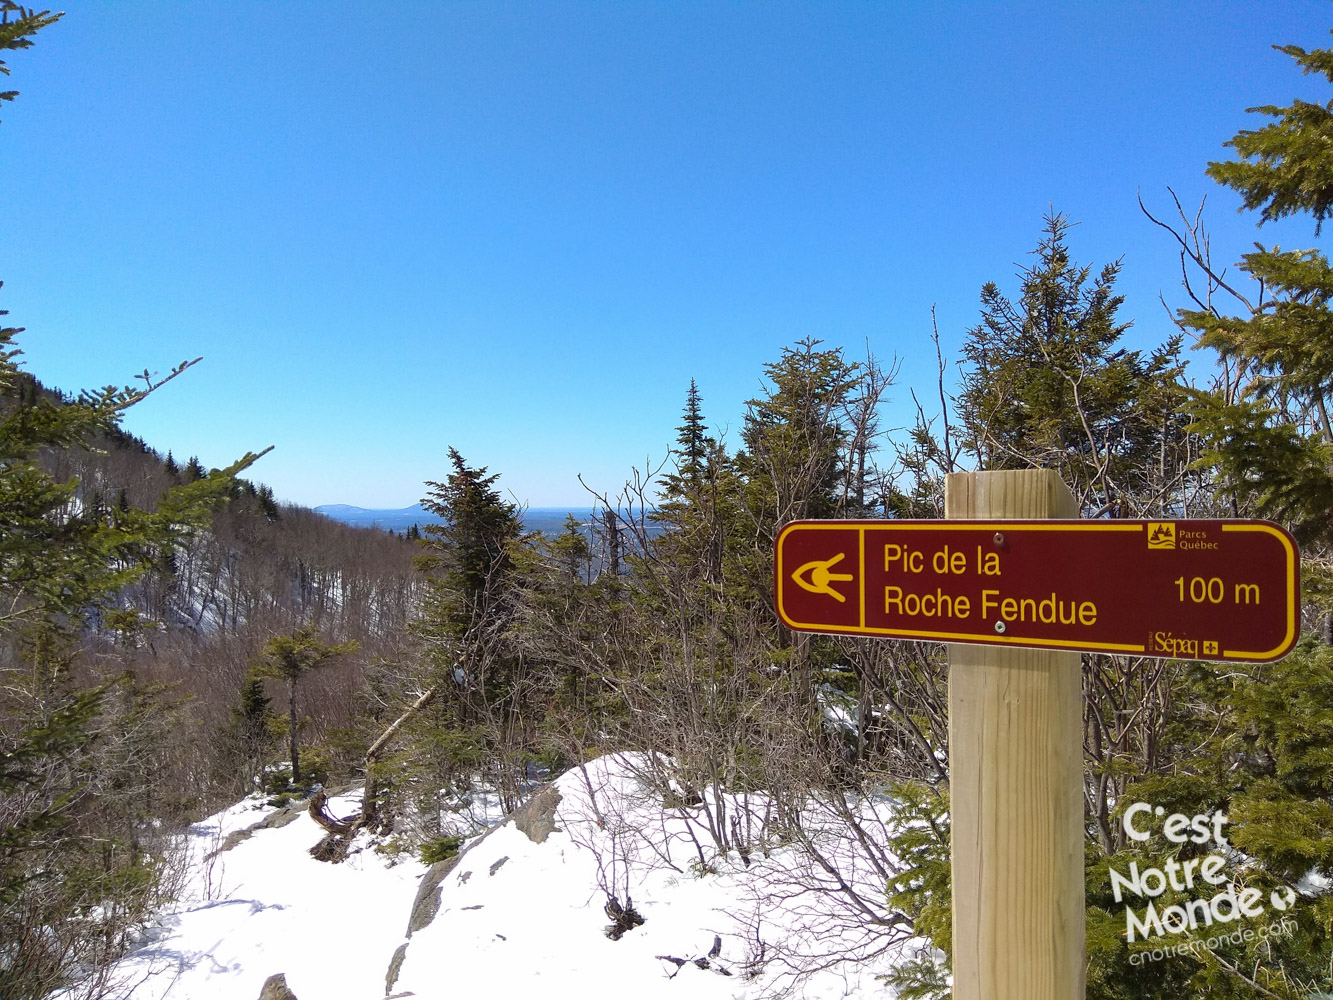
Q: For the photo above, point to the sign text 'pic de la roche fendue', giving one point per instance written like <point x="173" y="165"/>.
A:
<point x="1189" y="589"/>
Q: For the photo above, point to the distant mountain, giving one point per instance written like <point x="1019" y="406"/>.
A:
<point x="548" y="519"/>
<point x="399" y="519"/>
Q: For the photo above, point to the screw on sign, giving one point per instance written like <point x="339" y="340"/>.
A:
<point x="1196" y="589"/>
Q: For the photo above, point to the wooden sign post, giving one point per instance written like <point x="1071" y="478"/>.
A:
<point x="1018" y="587"/>
<point x="1015" y="786"/>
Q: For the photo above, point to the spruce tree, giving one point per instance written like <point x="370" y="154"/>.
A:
<point x="17" y="26"/>
<point x="471" y="586"/>
<point x="471" y="544"/>
<point x="251" y="724"/>
<point x="570" y="551"/>
<point x="474" y="562"/>
<point x="697" y="499"/>
<point x="692" y="447"/>
<point x="1260" y="737"/>
<point x="1272" y="436"/>
<point x="795" y="436"/>
<point x="1251" y="741"/>
<point x="1046" y="385"/>
<point x="292" y="658"/>
<point x="268" y="504"/>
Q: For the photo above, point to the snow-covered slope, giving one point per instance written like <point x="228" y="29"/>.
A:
<point x="266" y="906"/>
<point x="522" y="906"/>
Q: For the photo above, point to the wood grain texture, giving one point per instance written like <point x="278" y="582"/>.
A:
<point x="1016" y="780"/>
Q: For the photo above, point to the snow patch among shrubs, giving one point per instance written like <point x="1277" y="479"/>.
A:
<point x="756" y="919"/>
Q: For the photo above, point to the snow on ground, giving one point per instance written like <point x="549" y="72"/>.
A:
<point x="267" y="906"/>
<point x="514" y="914"/>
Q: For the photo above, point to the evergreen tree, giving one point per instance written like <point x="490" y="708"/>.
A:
<point x="1255" y="741"/>
<point x="251" y="723"/>
<point x="17" y="26"/>
<point x="291" y="658"/>
<point x="796" y="438"/>
<point x="1260" y="737"/>
<point x="1283" y="167"/>
<point x="692" y="447"/>
<point x="471" y="545"/>
<point x="692" y="504"/>
<point x="474" y="563"/>
<point x="470" y="589"/>
<point x="1271" y="436"/>
<point x="268" y="504"/>
<point x="1046" y="385"/>
<point x="570" y="551"/>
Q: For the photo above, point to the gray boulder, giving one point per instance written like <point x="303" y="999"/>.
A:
<point x="535" y="819"/>
<point x="275" y="988"/>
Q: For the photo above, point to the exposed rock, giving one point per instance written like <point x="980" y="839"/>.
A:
<point x="536" y="817"/>
<point x="427" y="902"/>
<point x="275" y="988"/>
<point x="277" y="820"/>
<point x="395" y="966"/>
<point x="233" y="838"/>
<point x="497" y="865"/>
<point x="273" y="821"/>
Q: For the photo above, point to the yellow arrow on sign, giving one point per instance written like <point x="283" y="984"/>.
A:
<point x="821" y="576"/>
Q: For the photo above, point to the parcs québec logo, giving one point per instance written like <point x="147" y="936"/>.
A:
<point x="1161" y="535"/>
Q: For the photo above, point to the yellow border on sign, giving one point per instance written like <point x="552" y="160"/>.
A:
<point x="861" y="578"/>
<point x="862" y="526"/>
<point x="820" y="526"/>
<point x="1290" y="638"/>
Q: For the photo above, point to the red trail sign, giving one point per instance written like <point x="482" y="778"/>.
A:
<point x="1205" y="590"/>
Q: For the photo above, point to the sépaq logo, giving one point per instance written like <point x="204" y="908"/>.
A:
<point x="1224" y="902"/>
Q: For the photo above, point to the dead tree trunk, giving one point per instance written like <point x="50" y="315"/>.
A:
<point x="369" y="809"/>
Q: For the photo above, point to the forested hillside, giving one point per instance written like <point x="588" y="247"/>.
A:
<point x="172" y="638"/>
<point x="202" y="609"/>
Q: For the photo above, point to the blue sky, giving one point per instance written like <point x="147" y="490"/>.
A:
<point x="520" y="229"/>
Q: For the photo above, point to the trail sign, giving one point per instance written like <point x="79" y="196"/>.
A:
<point x="1201" y="590"/>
